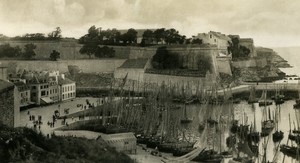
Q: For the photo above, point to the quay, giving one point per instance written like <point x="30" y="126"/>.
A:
<point x="245" y="87"/>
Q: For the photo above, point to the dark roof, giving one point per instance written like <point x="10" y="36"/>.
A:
<point x="21" y="86"/>
<point x="4" y="85"/>
<point x="135" y="63"/>
<point x="62" y="81"/>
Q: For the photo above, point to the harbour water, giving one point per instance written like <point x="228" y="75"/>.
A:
<point x="244" y="113"/>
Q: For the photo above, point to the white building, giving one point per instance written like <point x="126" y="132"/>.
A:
<point x="67" y="88"/>
<point x="215" y="38"/>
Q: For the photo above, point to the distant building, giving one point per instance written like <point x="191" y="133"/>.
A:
<point x="24" y="93"/>
<point x="215" y="38"/>
<point x="9" y="104"/>
<point x="123" y="142"/>
<point x="67" y="88"/>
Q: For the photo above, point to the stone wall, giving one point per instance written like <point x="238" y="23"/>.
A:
<point x="254" y="62"/>
<point x="223" y="64"/>
<point x="9" y="107"/>
<point x="133" y="74"/>
<point x="87" y="66"/>
<point x="248" y="43"/>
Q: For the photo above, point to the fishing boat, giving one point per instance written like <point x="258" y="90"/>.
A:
<point x="277" y="135"/>
<point x="291" y="151"/>
<point x="263" y="100"/>
<point x="185" y="117"/>
<point x="253" y="136"/>
<point x="267" y="125"/>
<point x="252" y="97"/>
<point x="297" y="105"/>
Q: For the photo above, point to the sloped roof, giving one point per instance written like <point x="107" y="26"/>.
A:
<point x="135" y="63"/>
<point x="62" y="81"/>
<point x="120" y="136"/>
<point x="4" y="85"/>
<point x="21" y="86"/>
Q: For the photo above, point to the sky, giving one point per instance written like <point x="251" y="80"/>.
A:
<point x="271" y="23"/>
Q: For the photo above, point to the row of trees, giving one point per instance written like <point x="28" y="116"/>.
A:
<point x="6" y="51"/>
<point x="54" y="35"/>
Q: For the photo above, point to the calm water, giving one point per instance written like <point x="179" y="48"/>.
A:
<point x="244" y="113"/>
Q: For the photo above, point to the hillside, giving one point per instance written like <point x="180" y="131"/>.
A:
<point x="24" y="145"/>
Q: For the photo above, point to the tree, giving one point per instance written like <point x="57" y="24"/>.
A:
<point x="237" y="50"/>
<point x="7" y="51"/>
<point x="197" y="41"/>
<point x="105" y="52"/>
<point x="56" y="34"/>
<point x="54" y="55"/>
<point x="29" y="51"/>
<point x="164" y="60"/>
<point x="90" y="42"/>
<point x="159" y="35"/>
<point x="130" y="36"/>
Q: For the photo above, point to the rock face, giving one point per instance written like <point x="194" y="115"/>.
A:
<point x="272" y="57"/>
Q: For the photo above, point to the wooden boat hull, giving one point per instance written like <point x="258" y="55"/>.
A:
<point x="277" y="136"/>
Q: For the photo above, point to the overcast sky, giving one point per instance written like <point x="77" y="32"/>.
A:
<point x="270" y="22"/>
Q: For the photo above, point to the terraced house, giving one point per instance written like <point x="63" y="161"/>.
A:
<point x="44" y="87"/>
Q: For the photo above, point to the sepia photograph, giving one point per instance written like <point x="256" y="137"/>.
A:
<point x="149" y="81"/>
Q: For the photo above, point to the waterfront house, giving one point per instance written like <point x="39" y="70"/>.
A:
<point x="9" y="104"/>
<point x="24" y="93"/>
<point x="67" y="88"/>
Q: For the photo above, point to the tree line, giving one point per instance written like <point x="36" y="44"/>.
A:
<point x="7" y="51"/>
<point x="97" y="36"/>
<point x="53" y="35"/>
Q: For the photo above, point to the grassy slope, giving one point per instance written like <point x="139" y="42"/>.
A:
<point x="24" y="145"/>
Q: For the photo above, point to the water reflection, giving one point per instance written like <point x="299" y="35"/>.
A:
<point x="244" y="113"/>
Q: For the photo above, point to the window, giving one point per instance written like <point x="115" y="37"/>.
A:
<point x="210" y="36"/>
<point x="33" y="94"/>
<point x="50" y="91"/>
<point x="41" y="87"/>
<point x="63" y="97"/>
<point x="43" y="93"/>
<point x="215" y="40"/>
<point x="26" y="93"/>
<point x="33" y="87"/>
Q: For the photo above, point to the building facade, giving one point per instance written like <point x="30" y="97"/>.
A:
<point x="215" y="38"/>
<point x="9" y="104"/>
<point x="67" y="88"/>
<point x="24" y="93"/>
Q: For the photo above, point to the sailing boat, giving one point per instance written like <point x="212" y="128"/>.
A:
<point x="253" y="136"/>
<point x="252" y="97"/>
<point x="277" y="135"/>
<point x="267" y="125"/>
<point x="263" y="100"/>
<point x="292" y="151"/>
<point x="297" y="105"/>
<point x="185" y="118"/>
<point x="278" y="98"/>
